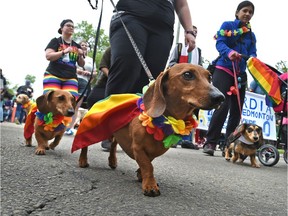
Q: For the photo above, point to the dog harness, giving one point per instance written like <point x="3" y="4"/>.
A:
<point x="168" y="129"/>
<point x="245" y="141"/>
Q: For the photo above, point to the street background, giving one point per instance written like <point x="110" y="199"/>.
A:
<point x="191" y="183"/>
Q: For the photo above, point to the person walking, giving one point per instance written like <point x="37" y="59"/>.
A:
<point x="63" y="53"/>
<point x="150" y="23"/>
<point x="83" y="75"/>
<point x="233" y="39"/>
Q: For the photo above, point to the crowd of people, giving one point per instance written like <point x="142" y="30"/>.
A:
<point x="151" y="27"/>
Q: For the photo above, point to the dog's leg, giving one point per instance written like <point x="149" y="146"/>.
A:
<point x="235" y="157"/>
<point x="253" y="161"/>
<point x="55" y="142"/>
<point x="228" y="151"/>
<point x="28" y="142"/>
<point x="149" y="184"/>
<point x="112" y="157"/>
<point x="83" y="161"/>
<point x="42" y="144"/>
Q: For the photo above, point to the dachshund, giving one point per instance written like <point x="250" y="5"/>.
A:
<point x="25" y="101"/>
<point x="54" y="112"/>
<point x="176" y="93"/>
<point x="243" y="142"/>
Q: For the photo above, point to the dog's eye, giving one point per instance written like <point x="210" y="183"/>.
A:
<point x="249" y="130"/>
<point x="188" y="75"/>
<point x="258" y="130"/>
<point x="61" y="98"/>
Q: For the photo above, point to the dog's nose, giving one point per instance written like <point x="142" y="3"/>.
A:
<point x="255" y="138"/>
<point x="216" y="96"/>
<point x="70" y="112"/>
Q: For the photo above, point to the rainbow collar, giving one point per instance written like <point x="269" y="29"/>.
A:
<point x="168" y="129"/>
<point x="50" y="122"/>
<point x="24" y="106"/>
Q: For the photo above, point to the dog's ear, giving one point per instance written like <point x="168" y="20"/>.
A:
<point x="261" y="138"/>
<point x="74" y="104"/>
<point x="153" y="99"/>
<point x="241" y="128"/>
<point x="43" y="102"/>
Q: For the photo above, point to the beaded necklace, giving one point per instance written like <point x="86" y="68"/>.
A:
<point x="166" y="127"/>
<point x="230" y="33"/>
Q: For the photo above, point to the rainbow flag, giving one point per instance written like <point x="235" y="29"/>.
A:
<point x="29" y="123"/>
<point x="266" y="78"/>
<point x="104" y="118"/>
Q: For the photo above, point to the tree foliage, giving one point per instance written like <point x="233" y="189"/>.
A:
<point x="85" y="31"/>
<point x="282" y="66"/>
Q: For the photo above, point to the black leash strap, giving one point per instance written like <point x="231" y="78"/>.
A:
<point x="96" y="5"/>
<point x="95" y="48"/>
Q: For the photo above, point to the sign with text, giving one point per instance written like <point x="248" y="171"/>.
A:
<point x="254" y="111"/>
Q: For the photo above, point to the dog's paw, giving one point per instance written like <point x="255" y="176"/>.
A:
<point x="83" y="163"/>
<point x="150" y="187"/>
<point x="152" y="192"/>
<point x="112" y="161"/>
<point x="255" y="165"/>
<point x="40" y="151"/>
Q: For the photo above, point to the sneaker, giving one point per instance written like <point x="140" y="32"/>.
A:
<point x="209" y="149"/>
<point x="106" y="145"/>
<point x="69" y="132"/>
<point x="189" y="145"/>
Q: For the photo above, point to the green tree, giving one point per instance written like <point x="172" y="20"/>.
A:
<point x="31" y="78"/>
<point x="85" y="31"/>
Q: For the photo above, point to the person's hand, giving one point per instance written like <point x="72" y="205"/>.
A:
<point x="190" y="42"/>
<point x="234" y="56"/>
<point x="80" y="52"/>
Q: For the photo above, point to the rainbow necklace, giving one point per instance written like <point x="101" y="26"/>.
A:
<point x="230" y="33"/>
<point x="50" y="122"/>
<point x="168" y="129"/>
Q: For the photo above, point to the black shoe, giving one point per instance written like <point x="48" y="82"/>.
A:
<point x="189" y="145"/>
<point x="209" y="149"/>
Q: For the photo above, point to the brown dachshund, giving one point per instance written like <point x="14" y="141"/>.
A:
<point x="177" y="92"/>
<point x="244" y="142"/>
<point x="25" y="101"/>
<point x="54" y="107"/>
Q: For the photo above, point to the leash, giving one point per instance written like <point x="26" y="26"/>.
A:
<point x="235" y="69"/>
<point x="148" y="72"/>
<point x="95" y="47"/>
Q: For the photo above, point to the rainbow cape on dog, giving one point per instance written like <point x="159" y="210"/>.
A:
<point x="29" y="123"/>
<point x="104" y="118"/>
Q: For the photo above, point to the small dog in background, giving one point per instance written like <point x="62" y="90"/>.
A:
<point x="51" y="119"/>
<point x="243" y="142"/>
<point x="25" y="101"/>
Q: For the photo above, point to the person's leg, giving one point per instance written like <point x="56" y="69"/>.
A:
<point x="125" y="68"/>
<point x="18" y="112"/>
<point x="1" y="112"/>
<point x="219" y="116"/>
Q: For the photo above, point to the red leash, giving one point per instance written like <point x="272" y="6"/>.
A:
<point x="236" y="69"/>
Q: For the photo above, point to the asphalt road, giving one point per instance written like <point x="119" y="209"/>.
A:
<point x="190" y="183"/>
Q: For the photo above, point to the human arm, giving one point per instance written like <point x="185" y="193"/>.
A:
<point x="183" y="12"/>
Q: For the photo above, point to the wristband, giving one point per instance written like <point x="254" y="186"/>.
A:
<point x="63" y="53"/>
<point x="190" y="32"/>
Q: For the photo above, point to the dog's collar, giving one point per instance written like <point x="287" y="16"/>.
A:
<point x="245" y="141"/>
<point x="26" y="104"/>
<point x="166" y="127"/>
<point x="50" y="122"/>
